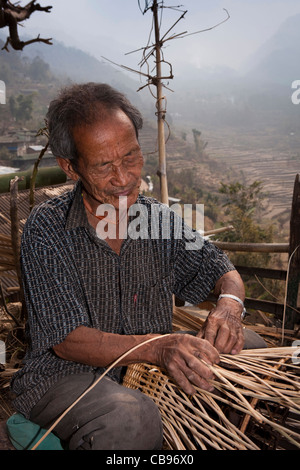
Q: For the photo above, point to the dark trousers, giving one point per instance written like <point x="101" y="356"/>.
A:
<point x="108" y="417"/>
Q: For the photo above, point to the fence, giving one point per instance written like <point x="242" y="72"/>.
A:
<point x="286" y="311"/>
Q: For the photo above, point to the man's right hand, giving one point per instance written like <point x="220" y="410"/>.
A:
<point x="185" y="358"/>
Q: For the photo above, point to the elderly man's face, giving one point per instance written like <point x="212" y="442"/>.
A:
<point x="110" y="159"/>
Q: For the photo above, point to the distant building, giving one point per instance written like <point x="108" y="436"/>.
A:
<point x="24" y="149"/>
<point x="26" y="161"/>
<point x="17" y="141"/>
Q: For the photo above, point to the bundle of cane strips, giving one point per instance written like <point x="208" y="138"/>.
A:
<point x="202" y="421"/>
<point x="247" y="386"/>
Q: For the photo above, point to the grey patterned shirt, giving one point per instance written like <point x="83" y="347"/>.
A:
<point x="72" y="278"/>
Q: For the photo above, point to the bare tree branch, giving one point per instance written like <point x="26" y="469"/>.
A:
<point x="11" y="14"/>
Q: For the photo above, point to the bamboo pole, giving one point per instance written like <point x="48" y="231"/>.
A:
<point x="294" y="258"/>
<point x="254" y="247"/>
<point x="161" y="112"/>
<point x="15" y="229"/>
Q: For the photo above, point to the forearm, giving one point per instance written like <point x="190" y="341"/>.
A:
<point x="223" y="327"/>
<point x="100" y="349"/>
<point x="183" y="356"/>
<point x="231" y="283"/>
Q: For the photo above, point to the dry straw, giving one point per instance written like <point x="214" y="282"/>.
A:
<point x="251" y="386"/>
<point x="254" y="392"/>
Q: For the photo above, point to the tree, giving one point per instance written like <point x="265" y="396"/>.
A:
<point x="242" y="205"/>
<point x="11" y="14"/>
<point x="21" y="107"/>
<point x="246" y="198"/>
<point x="38" y="70"/>
<point x="200" y="145"/>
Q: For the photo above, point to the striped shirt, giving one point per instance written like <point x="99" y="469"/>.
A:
<point x="72" y="278"/>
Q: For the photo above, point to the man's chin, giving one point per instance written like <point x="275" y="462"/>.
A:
<point x="123" y="202"/>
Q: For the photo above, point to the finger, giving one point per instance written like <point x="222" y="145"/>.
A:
<point x="210" y="333"/>
<point x="239" y="343"/>
<point x="182" y="380"/>
<point x="198" y="371"/>
<point x="200" y="347"/>
<point x="207" y="352"/>
<point x="200" y="382"/>
<point x="225" y="340"/>
<point x="200" y="333"/>
<point x="190" y="372"/>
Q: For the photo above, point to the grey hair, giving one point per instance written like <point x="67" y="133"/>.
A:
<point x="83" y="104"/>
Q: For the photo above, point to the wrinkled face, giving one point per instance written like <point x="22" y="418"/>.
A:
<point x="110" y="159"/>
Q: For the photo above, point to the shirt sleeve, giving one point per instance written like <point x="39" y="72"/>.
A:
<point x="54" y="299"/>
<point x="198" y="268"/>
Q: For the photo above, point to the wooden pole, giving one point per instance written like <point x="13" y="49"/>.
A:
<point x="293" y="317"/>
<point x="253" y="247"/>
<point x="161" y="112"/>
<point x="15" y="237"/>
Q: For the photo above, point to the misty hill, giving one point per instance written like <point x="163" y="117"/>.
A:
<point x="74" y="64"/>
<point x="278" y="60"/>
<point x="261" y="96"/>
<point x="65" y="64"/>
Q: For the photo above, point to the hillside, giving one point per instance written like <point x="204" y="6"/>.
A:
<point x="277" y="61"/>
<point x="250" y="124"/>
<point x="70" y="63"/>
<point x="248" y="118"/>
<point x="54" y="66"/>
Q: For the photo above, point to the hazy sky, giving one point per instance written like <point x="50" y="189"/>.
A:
<point x="111" y="28"/>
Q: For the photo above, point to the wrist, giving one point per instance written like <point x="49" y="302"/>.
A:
<point x="145" y="352"/>
<point x="235" y="299"/>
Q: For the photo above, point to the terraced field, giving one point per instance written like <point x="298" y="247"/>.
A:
<point x="263" y="155"/>
<point x="269" y="158"/>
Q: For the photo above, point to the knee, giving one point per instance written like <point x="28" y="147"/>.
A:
<point x="133" y="422"/>
<point x="141" y="423"/>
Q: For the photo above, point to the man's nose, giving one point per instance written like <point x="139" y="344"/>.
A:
<point x="120" y="177"/>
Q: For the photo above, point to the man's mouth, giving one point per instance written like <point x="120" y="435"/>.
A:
<point x="123" y="192"/>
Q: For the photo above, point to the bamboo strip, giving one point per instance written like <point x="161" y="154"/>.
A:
<point x="264" y="380"/>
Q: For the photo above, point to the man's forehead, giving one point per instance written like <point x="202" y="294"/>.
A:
<point x="104" y="118"/>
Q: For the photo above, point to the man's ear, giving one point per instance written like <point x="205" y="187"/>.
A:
<point x="67" y="168"/>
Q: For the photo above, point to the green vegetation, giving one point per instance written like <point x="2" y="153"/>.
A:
<point x="243" y="207"/>
<point x="21" y="108"/>
<point x="184" y="185"/>
<point x="29" y="87"/>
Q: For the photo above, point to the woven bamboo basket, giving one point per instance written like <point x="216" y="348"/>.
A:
<point x="255" y="404"/>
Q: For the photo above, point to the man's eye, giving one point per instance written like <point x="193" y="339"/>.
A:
<point x="130" y="159"/>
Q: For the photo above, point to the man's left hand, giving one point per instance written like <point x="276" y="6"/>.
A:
<point x="223" y="327"/>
